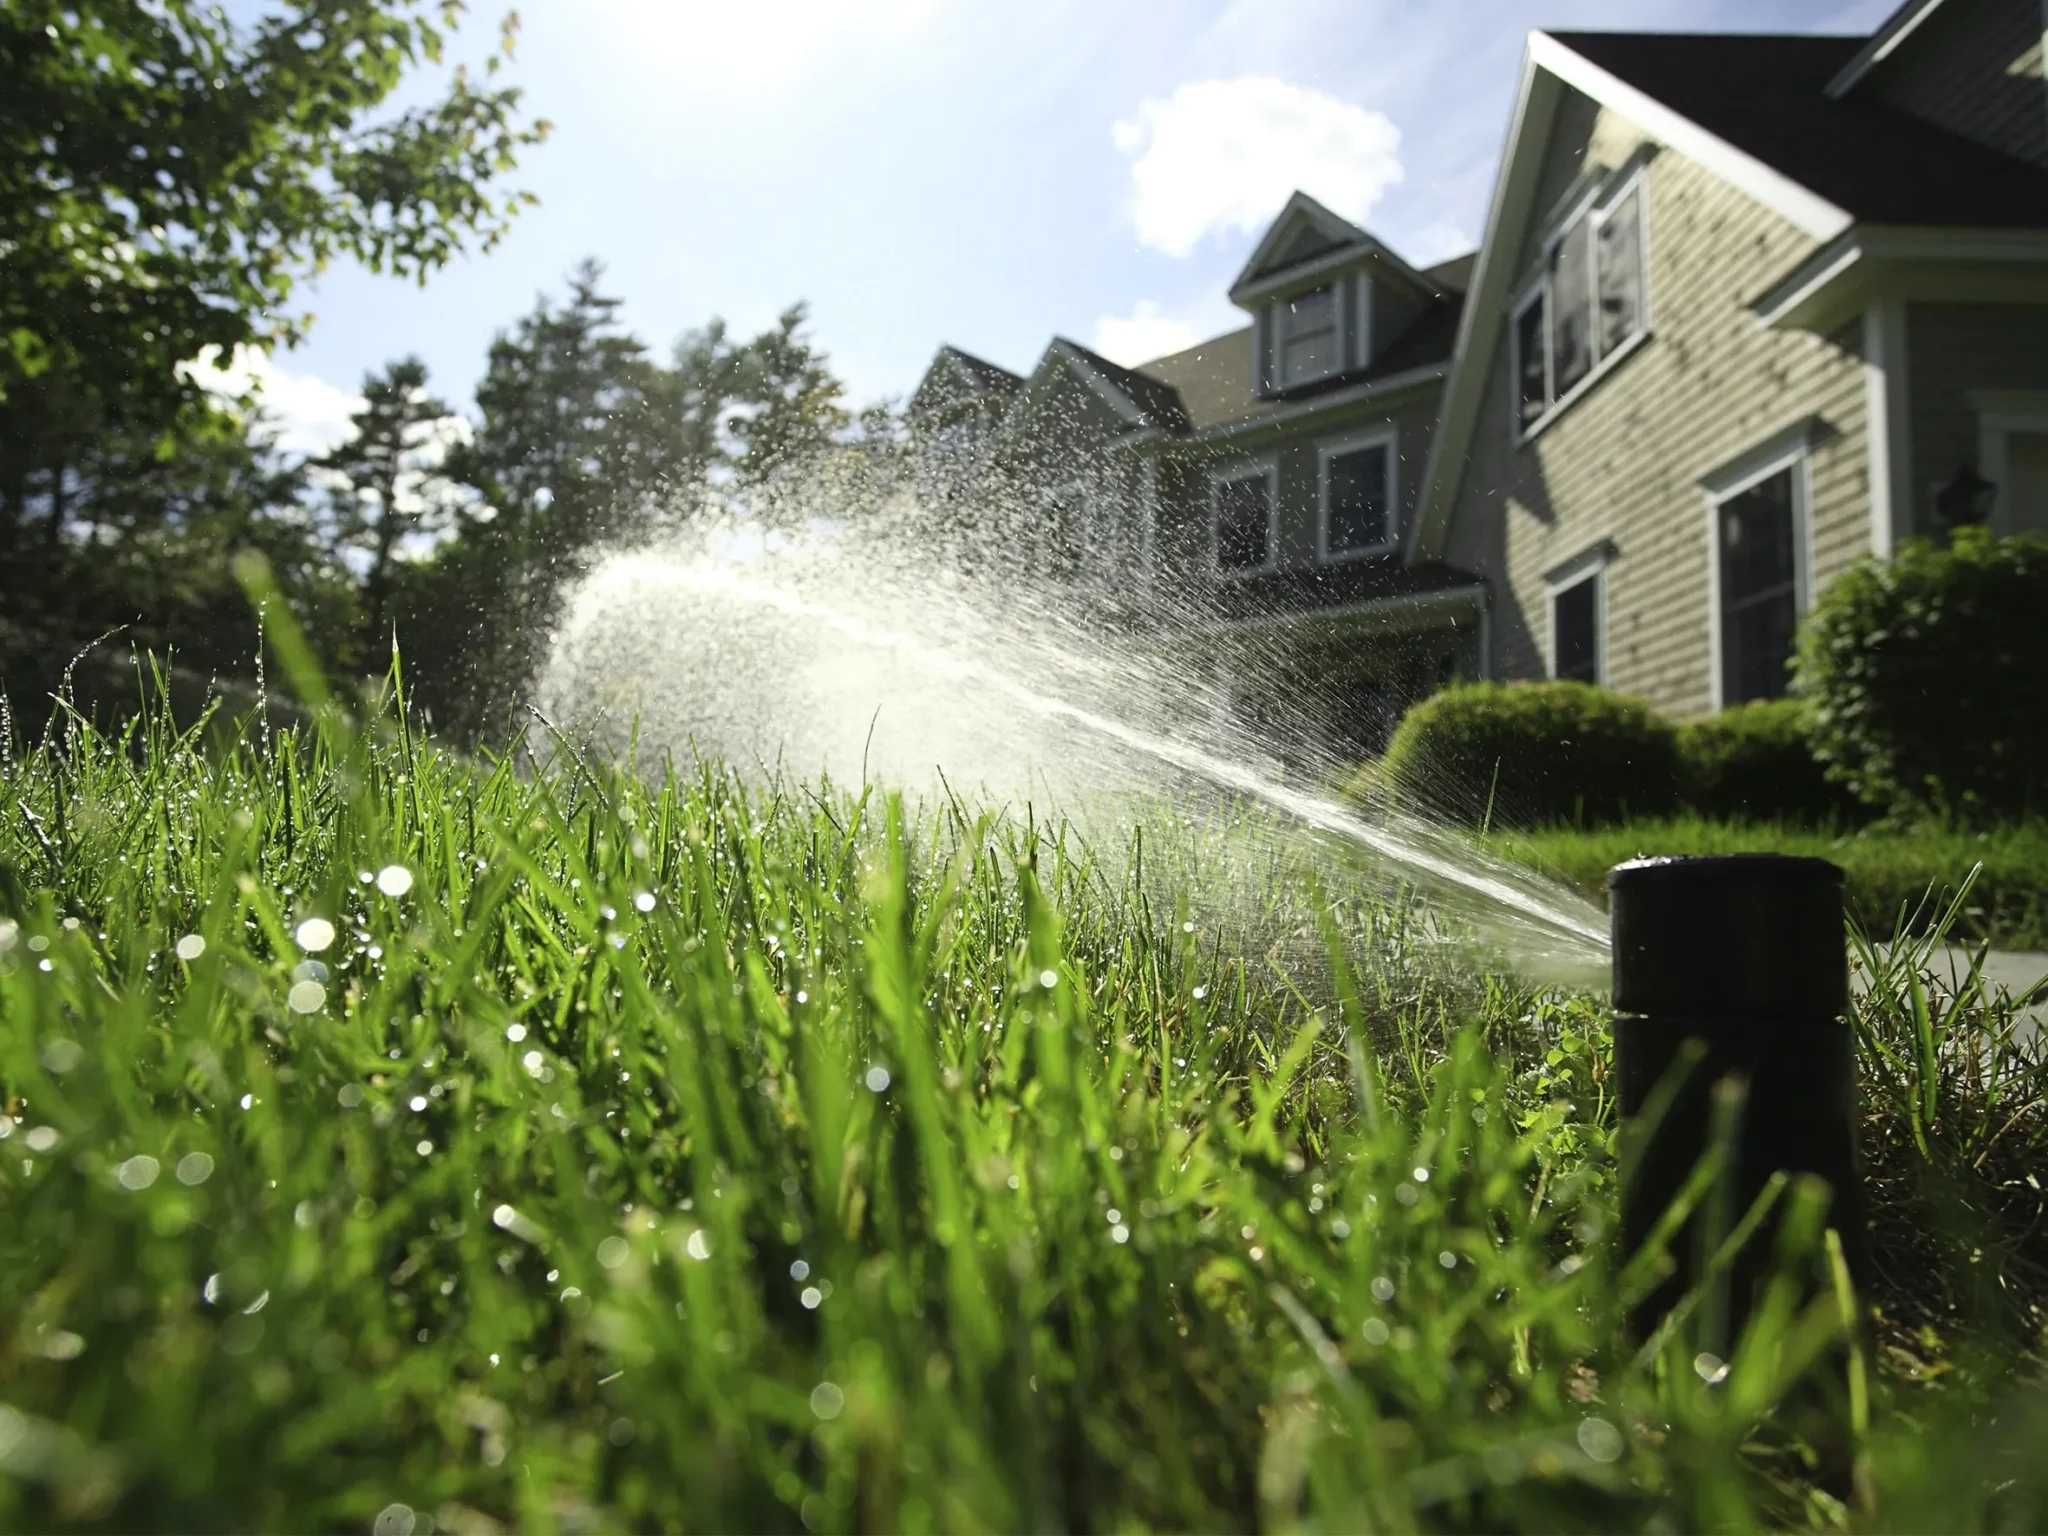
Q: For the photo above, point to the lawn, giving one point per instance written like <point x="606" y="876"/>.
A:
<point x="394" y="1142"/>
<point x="1888" y="871"/>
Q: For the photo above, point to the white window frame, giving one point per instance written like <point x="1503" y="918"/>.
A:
<point x="1790" y="448"/>
<point x="1282" y="313"/>
<point x="1596" y="205"/>
<point x="1083" y="491"/>
<point x="2001" y="415"/>
<point x="1267" y="465"/>
<point x="1590" y="566"/>
<point x="1337" y="448"/>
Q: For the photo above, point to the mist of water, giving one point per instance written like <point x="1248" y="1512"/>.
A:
<point x="874" y="652"/>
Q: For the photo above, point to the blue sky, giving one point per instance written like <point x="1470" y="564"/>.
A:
<point x="924" y="172"/>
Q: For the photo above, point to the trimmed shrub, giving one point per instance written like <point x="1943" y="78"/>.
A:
<point x="1532" y="754"/>
<point x="1925" y="678"/>
<point x="1756" y="762"/>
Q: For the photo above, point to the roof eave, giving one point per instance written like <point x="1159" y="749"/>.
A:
<point x="1883" y="43"/>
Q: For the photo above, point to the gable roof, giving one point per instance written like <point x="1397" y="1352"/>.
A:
<point x="954" y="375"/>
<point x="1893" y="31"/>
<point x="1767" y="96"/>
<point x="1156" y="401"/>
<point x="1282" y="247"/>
<point x="1754" y="110"/>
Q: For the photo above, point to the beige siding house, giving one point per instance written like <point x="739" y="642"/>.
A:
<point x="1748" y="309"/>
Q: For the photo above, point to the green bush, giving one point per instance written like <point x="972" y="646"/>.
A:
<point x="1924" y="673"/>
<point x="1532" y="754"/>
<point x="1756" y="762"/>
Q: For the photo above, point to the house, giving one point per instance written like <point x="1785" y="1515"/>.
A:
<point x="1259" y="485"/>
<point x="1747" y="309"/>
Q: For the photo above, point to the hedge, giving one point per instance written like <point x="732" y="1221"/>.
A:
<point x="1925" y="675"/>
<point x="1755" y="762"/>
<point x="1532" y="754"/>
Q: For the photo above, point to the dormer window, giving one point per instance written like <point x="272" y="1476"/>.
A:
<point x="1308" y="334"/>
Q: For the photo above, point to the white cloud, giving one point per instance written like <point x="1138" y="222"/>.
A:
<point x="309" y="414"/>
<point x="1223" y="155"/>
<point x="1150" y="331"/>
<point x="1438" y="240"/>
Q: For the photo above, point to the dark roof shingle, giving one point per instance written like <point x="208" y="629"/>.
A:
<point x="1767" y="96"/>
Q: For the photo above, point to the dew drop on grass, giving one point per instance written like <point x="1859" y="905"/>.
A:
<point x="800" y="1270"/>
<point x="699" y="1246"/>
<point x="811" y="1297"/>
<point x="191" y="947"/>
<point x="1120" y="1233"/>
<point x="195" y="1168"/>
<point x="417" y="1103"/>
<point x="43" y="1138"/>
<point x="1382" y="1289"/>
<point x="306" y="997"/>
<point x="515" y="1032"/>
<point x="613" y="1252"/>
<point x="139" y="1172"/>
<point x="1200" y="993"/>
<point x="394" y="879"/>
<point x="62" y="1056"/>
<point x="644" y="902"/>
<point x="1600" y="1440"/>
<point x="827" y="1400"/>
<point x="1711" y="1368"/>
<point x="1048" y="979"/>
<point x="878" y="1079"/>
<point x="1375" y="1332"/>
<point x="314" y="935"/>
<point x="394" y="1520"/>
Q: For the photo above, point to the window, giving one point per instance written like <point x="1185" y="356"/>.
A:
<point x="1584" y="310"/>
<point x="1244" y="519"/>
<point x="1309" y="345"/>
<point x="1575" y="630"/>
<point x="1356" y="495"/>
<point x="1756" y="541"/>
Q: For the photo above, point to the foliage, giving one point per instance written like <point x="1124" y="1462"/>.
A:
<point x="1523" y="754"/>
<point x="1923" y="673"/>
<point x="1756" y="762"/>
<point x="1888" y="869"/>
<point x="640" y="1156"/>
<point x="168" y="174"/>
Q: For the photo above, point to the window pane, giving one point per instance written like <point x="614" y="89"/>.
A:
<point x="1575" y="631"/>
<point x="1571" y="306"/>
<point x="1530" y="334"/>
<point x="1315" y="310"/>
<point x="1759" y="590"/>
<point x="1621" y="272"/>
<point x="1359" y="515"/>
<point x="1242" y="514"/>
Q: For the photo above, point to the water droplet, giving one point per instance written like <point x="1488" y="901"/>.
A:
<point x="1048" y="979"/>
<point x="811" y="1297"/>
<point x="644" y="902"/>
<point x="394" y="1520"/>
<point x="394" y="879"/>
<point x="191" y="947"/>
<point x="1420" y="1175"/>
<point x="534" y="1062"/>
<point x="417" y="1103"/>
<point x="306" y="997"/>
<point x="139" y="1172"/>
<point x="1200" y="993"/>
<point x="699" y="1246"/>
<point x="1120" y="1233"/>
<point x="314" y="935"/>
<point x="1374" y="1332"/>
<point x="1447" y="1259"/>
<point x="62" y="1056"/>
<point x="1382" y="1289"/>
<point x="878" y="1079"/>
<point x="800" y="1270"/>
<point x="827" y="1400"/>
<point x="1600" y="1440"/>
<point x="613" y="1252"/>
<point x="515" y="1032"/>
<point x="1711" y="1369"/>
<point x="195" y="1168"/>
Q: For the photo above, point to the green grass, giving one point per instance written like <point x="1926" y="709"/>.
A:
<point x="1889" y="871"/>
<point x="681" y="1153"/>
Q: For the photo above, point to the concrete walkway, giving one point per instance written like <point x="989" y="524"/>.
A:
<point x="2005" y="970"/>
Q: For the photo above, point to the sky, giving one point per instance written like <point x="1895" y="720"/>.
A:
<point x="984" y="175"/>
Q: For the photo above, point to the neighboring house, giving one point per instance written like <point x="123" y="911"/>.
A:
<point x="1747" y="310"/>
<point x="1258" y="485"/>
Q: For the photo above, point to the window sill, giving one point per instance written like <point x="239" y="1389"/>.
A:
<point x="1363" y="552"/>
<point x="1571" y="397"/>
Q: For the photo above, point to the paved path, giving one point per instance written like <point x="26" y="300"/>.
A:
<point x="2009" y="970"/>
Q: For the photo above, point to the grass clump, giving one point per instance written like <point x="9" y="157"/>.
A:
<point x="390" y="1136"/>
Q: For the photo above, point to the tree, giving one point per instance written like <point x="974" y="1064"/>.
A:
<point x="168" y="174"/>
<point x="793" y="407"/>
<point x="386" y="483"/>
